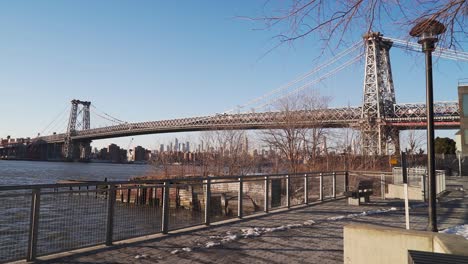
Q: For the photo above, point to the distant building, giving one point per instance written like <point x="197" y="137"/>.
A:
<point x="139" y="154"/>
<point x="114" y="153"/>
<point x="123" y="156"/>
<point x="103" y="154"/>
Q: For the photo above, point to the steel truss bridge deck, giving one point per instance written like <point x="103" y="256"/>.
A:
<point x="405" y="116"/>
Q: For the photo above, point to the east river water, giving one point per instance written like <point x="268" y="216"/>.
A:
<point x="36" y="172"/>
<point x="73" y="220"/>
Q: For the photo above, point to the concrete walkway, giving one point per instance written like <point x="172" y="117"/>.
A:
<point x="301" y="242"/>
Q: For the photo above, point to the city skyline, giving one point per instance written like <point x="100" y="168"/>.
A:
<point x="136" y="67"/>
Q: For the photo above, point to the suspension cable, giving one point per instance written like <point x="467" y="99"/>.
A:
<point x="112" y="119"/>
<point x="55" y="119"/>
<point x="108" y="119"/>
<point x="439" y="51"/>
<point x="302" y="77"/>
<point x="315" y="81"/>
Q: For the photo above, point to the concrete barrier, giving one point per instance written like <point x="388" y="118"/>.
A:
<point x="397" y="191"/>
<point x="377" y="244"/>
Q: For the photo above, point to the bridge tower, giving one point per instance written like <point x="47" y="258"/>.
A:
<point x="378" y="98"/>
<point x="71" y="148"/>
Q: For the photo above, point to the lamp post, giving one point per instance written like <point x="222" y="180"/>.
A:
<point x="427" y="31"/>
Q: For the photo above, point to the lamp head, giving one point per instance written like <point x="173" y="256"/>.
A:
<point x="427" y="31"/>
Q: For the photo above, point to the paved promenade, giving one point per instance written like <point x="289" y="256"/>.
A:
<point x="312" y="234"/>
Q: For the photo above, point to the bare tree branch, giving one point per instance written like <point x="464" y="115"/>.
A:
<point x="334" y="20"/>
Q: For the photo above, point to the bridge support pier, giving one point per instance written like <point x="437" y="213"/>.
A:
<point x="77" y="151"/>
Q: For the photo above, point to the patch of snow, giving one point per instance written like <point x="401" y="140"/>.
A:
<point x="229" y="238"/>
<point x="334" y="218"/>
<point x="293" y="225"/>
<point x="211" y="244"/>
<point x="461" y="230"/>
<point x="250" y="232"/>
<point x="258" y="231"/>
<point x="365" y="213"/>
<point x="141" y="256"/>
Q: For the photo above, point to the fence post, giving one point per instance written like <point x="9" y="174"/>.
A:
<point x="334" y="185"/>
<point x="110" y="214"/>
<point x="129" y="195"/>
<point x="424" y="186"/>
<point x="34" y="224"/>
<point x="382" y="186"/>
<point x="208" y="201"/>
<point x="321" y="187"/>
<point x="288" y="195"/>
<point x="165" y="209"/>
<point x="346" y="181"/>
<point x="266" y="200"/>
<point x="239" y="198"/>
<point x="306" y="189"/>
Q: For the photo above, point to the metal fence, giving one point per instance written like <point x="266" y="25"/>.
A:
<point x="38" y="220"/>
<point x="380" y="181"/>
<point x="417" y="177"/>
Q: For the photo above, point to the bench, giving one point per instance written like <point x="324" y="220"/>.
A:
<point x="363" y="189"/>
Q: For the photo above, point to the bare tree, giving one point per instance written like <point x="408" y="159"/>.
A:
<point x="295" y="141"/>
<point x="208" y="162"/>
<point x="315" y="138"/>
<point x="235" y="157"/>
<point x="333" y="20"/>
<point x="415" y="141"/>
<point x="227" y="153"/>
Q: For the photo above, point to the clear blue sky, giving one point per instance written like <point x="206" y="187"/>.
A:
<point x="152" y="60"/>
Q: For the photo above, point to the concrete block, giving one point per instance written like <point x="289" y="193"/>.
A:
<point x="365" y="243"/>
<point x="397" y="191"/>
<point x="354" y="201"/>
<point x="375" y="244"/>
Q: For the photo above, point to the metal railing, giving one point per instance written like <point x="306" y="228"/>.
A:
<point x="39" y="220"/>
<point x="417" y="177"/>
<point x="380" y="181"/>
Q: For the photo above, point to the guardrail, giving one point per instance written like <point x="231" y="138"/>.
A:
<point x="39" y="220"/>
<point x="380" y="180"/>
<point x="417" y="177"/>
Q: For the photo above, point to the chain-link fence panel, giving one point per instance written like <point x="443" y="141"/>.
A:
<point x="137" y="211"/>
<point x="71" y="219"/>
<point x="15" y="210"/>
